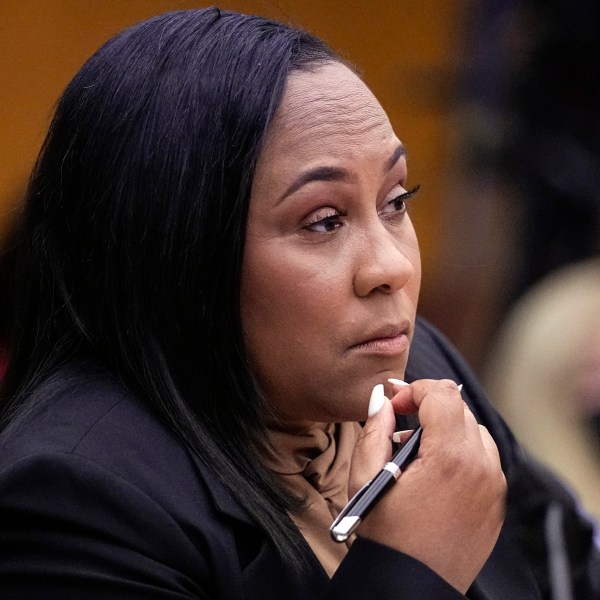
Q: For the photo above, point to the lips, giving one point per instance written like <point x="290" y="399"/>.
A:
<point x="387" y="339"/>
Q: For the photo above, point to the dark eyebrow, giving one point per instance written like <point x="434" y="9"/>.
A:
<point x="317" y="174"/>
<point x="336" y="173"/>
<point x="393" y="159"/>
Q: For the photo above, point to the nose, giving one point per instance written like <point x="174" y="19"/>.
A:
<point x="382" y="264"/>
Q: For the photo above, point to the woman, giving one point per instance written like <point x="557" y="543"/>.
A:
<point x="216" y="278"/>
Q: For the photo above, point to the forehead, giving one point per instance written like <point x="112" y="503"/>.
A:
<point x="327" y="109"/>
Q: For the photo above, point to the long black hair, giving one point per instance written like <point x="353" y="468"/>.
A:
<point x="131" y="242"/>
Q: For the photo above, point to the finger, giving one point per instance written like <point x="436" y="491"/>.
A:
<point x="373" y="445"/>
<point x="401" y="397"/>
<point x="407" y="397"/>
<point x="440" y="404"/>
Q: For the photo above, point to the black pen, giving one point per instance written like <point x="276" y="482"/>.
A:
<point x="362" y="502"/>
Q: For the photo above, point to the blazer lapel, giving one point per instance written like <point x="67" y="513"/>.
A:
<point x="265" y="577"/>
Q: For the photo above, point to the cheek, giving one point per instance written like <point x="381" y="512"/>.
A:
<point x="285" y="300"/>
<point x="289" y="307"/>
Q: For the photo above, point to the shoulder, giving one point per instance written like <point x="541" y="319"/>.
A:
<point x="85" y="421"/>
<point x="83" y="410"/>
<point x="89" y="473"/>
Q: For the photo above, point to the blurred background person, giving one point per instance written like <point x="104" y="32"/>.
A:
<point x="544" y="375"/>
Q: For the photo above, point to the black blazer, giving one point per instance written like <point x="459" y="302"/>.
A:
<point x="99" y="501"/>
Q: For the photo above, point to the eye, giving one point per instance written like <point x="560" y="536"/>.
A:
<point x="324" y="220"/>
<point x="397" y="205"/>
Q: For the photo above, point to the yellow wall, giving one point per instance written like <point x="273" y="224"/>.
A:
<point x="405" y="48"/>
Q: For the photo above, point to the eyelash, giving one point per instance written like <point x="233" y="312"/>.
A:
<point x="331" y="221"/>
<point x="403" y="198"/>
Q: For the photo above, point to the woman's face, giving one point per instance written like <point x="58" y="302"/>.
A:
<point x="331" y="270"/>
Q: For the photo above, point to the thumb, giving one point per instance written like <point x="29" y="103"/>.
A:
<point x="373" y="446"/>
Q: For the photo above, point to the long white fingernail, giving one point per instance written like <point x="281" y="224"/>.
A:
<point x="397" y="437"/>
<point x="460" y="387"/>
<point x="377" y="400"/>
<point x="397" y="381"/>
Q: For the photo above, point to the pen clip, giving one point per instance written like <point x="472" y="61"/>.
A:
<point x="343" y="526"/>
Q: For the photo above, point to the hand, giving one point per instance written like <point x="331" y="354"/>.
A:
<point x="447" y="508"/>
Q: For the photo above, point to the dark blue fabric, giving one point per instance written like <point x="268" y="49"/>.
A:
<point x="99" y="501"/>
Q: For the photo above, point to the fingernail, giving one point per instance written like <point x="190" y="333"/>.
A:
<point x="397" y="437"/>
<point x="397" y="381"/>
<point x="460" y="387"/>
<point x="377" y="400"/>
